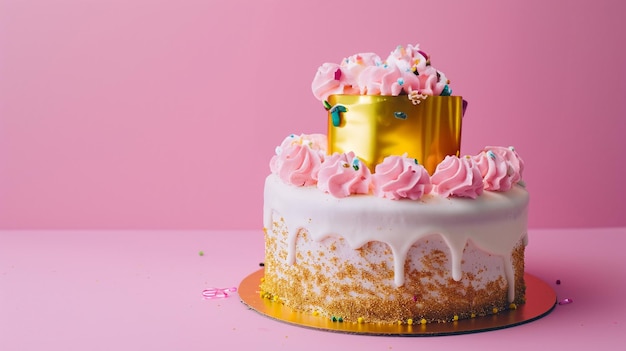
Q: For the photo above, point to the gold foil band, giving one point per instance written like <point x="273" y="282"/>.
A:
<point x="375" y="126"/>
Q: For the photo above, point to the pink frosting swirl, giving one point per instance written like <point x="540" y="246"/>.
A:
<point x="500" y="167"/>
<point x="387" y="80"/>
<point x="330" y="80"/>
<point x="400" y="177"/>
<point x="405" y="70"/>
<point x="457" y="177"/>
<point x="351" y="67"/>
<point x="317" y="142"/>
<point x="515" y="164"/>
<point x="432" y="82"/>
<point x="343" y="174"/>
<point x="298" y="159"/>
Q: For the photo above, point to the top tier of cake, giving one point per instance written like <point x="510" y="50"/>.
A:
<point x="401" y="105"/>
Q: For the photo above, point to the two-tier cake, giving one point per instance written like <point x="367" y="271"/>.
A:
<point x="382" y="219"/>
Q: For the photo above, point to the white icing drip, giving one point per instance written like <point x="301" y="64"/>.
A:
<point x="495" y="222"/>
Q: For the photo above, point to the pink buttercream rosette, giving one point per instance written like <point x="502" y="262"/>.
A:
<point x="298" y="159"/>
<point x="400" y="177"/>
<point x="500" y="167"/>
<point x="458" y="177"/>
<point x="343" y="174"/>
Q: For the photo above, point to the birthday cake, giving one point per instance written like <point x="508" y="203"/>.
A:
<point x="383" y="220"/>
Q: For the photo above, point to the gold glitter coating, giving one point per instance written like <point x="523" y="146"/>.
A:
<point x="334" y="280"/>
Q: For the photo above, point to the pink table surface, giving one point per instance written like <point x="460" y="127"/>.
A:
<point x="141" y="290"/>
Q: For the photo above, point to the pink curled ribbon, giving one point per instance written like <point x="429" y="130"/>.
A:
<point x="217" y="293"/>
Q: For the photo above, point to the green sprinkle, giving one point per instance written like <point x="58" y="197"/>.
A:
<point x="201" y="253"/>
<point x="355" y="164"/>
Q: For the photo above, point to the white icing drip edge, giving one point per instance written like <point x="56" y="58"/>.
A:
<point x="495" y="222"/>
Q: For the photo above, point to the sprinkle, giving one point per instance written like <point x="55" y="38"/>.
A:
<point x="400" y="81"/>
<point x="316" y="313"/>
<point x="262" y="264"/>
<point x="399" y="322"/>
<point x="558" y="282"/>
<point x="335" y="114"/>
<point x="416" y="97"/>
<point x="473" y="315"/>
<point x="491" y="155"/>
<point x="338" y="74"/>
<point x="423" y="321"/>
<point x="355" y="164"/>
<point x="415" y="296"/>
<point x="360" y="320"/>
<point x="339" y="319"/>
<point x="201" y="253"/>
<point x="494" y="310"/>
<point x="446" y="91"/>
<point x="455" y="318"/>
<point x="566" y="301"/>
<point x="400" y="115"/>
<point x="513" y="306"/>
<point x="327" y="105"/>
<point x="417" y="163"/>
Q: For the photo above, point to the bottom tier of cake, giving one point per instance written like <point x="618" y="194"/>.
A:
<point x="402" y="262"/>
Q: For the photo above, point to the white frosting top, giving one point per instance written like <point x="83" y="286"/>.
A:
<point x="495" y="221"/>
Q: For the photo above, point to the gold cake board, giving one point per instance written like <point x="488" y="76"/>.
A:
<point x="540" y="300"/>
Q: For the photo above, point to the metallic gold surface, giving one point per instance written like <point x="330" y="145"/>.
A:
<point x="540" y="300"/>
<point x="376" y="126"/>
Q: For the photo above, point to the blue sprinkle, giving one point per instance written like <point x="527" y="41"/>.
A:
<point x="491" y="155"/>
<point x="400" y="115"/>
<point x="335" y="114"/>
<point x="355" y="164"/>
<point x="400" y="81"/>
<point x="446" y="91"/>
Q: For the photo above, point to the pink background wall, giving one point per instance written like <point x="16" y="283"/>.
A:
<point x="164" y="114"/>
